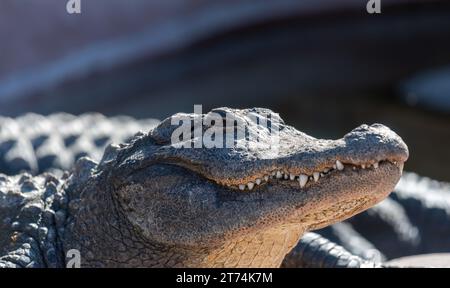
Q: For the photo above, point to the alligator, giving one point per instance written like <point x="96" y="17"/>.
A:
<point x="403" y="224"/>
<point x="148" y="203"/>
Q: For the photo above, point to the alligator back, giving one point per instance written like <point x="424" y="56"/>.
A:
<point x="36" y="143"/>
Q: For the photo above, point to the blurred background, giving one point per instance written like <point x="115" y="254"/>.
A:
<point x="326" y="66"/>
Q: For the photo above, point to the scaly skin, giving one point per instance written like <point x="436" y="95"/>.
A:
<point x="315" y="251"/>
<point x="150" y="204"/>
<point x="37" y="144"/>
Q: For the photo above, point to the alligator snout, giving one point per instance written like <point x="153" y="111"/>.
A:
<point x="377" y="141"/>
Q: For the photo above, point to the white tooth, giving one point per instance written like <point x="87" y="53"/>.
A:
<point x="250" y="185"/>
<point x="241" y="186"/>
<point x="279" y="175"/>
<point x="326" y="170"/>
<point x="266" y="178"/>
<point x="363" y="166"/>
<point x="322" y="175"/>
<point x="316" y="176"/>
<point x="258" y="181"/>
<point x="286" y="176"/>
<point x="303" y="180"/>
<point x="339" y="165"/>
<point x="274" y="173"/>
<point x="354" y="168"/>
<point x="375" y="165"/>
<point x="292" y="176"/>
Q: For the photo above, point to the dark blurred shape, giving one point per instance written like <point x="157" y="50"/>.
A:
<point x="430" y="89"/>
<point x="154" y="58"/>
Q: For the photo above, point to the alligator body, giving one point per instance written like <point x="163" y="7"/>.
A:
<point x="316" y="251"/>
<point x="37" y="144"/>
<point x="150" y="203"/>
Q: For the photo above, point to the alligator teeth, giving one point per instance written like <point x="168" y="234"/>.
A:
<point x="303" y="179"/>
<point x="339" y="165"/>
<point x="316" y="176"/>
<point x="279" y="175"/>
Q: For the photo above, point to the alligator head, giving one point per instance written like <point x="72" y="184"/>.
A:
<point x="242" y="205"/>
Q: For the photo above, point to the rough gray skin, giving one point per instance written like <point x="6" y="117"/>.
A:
<point x="148" y="203"/>
<point x="36" y="144"/>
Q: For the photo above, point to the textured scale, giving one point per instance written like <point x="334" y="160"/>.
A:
<point x="36" y="143"/>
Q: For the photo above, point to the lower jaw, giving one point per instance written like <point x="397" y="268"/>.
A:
<point x="335" y="213"/>
<point x="262" y="249"/>
<point x="329" y="204"/>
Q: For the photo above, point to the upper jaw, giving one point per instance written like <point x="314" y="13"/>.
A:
<point x="301" y="180"/>
<point x="303" y="159"/>
<point x="298" y="156"/>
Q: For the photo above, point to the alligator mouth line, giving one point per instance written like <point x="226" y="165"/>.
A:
<point x="302" y="180"/>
